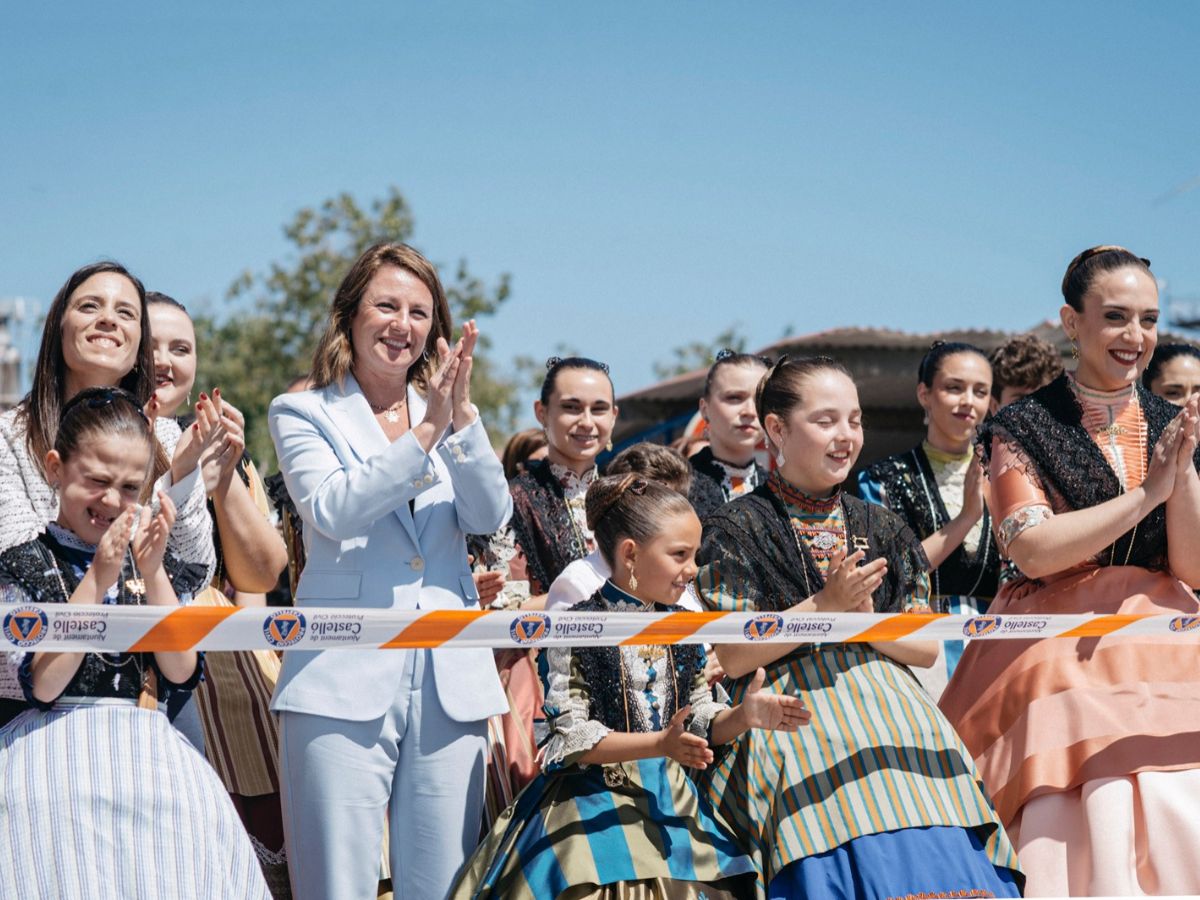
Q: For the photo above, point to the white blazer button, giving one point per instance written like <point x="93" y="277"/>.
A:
<point x="417" y="483"/>
<point x="429" y="479"/>
<point x="417" y="563"/>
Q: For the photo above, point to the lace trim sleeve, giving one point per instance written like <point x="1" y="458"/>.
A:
<point x="1022" y="520"/>
<point x="572" y="730"/>
<point x="705" y="706"/>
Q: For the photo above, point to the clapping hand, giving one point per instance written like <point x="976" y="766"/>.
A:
<point x="110" y="551"/>
<point x="848" y="584"/>
<point x="1189" y="437"/>
<point x="150" y="542"/>
<point x="219" y="459"/>
<point x="206" y="431"/>
<point x="775" y="712"/>
<point x="449" y="392"/>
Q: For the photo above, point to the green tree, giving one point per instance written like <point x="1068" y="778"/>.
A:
<point x="699" y="354"/>
<point x="255" y="352"/>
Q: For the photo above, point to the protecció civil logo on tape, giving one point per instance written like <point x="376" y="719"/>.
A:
<point x="284" y="628"/>
<point x="25" y="626"/>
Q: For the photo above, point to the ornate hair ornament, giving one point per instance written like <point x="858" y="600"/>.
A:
<point x="555" y="361"/>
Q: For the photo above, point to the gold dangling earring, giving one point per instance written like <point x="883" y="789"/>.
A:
<point x="1074" y="350"/>
<point x="608" y="446"/>
<point x="632" y="579"/>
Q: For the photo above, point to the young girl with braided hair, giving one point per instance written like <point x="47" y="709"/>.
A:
<point x="103" y="796"/>
<point x="624" y="722"/>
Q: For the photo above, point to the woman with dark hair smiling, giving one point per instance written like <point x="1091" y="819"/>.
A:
<point x="97" y="334"/>
<point x="937" y="487"/>
<point x="1088" y="745"/>
<point x="727" y="468"/>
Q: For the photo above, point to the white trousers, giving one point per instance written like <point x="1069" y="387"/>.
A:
<point x="415" y="765"/>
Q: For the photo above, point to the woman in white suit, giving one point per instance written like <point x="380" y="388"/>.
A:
<point x="389" y="465"/>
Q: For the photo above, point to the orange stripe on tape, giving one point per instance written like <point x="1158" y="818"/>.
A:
<point x="1101" y="625"/>
<point x="672" y="629"/>
<point x="897" y="627"/>
<point x="183" y="629"/>
<point x="433" y="629"/>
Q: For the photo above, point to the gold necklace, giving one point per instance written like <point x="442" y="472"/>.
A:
<point x="391" y="413"/>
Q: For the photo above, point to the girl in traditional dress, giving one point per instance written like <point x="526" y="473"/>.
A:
<point x="548" y="530"/>
<point x="583" y="577"/>
<point x="1088" y="745"/>
<point x="879" y="798"/>
<point x="102" y="797"/>
<point x="937" y="489"/>
<point x="726" y="468"/>
<point x="614" y="815"/>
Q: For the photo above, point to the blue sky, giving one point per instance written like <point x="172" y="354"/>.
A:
<point x="648" y="173"/>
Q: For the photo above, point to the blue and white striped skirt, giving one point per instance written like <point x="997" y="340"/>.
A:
<point x="107" y="800"/>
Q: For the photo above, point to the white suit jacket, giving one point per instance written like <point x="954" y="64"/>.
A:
<point x="365" y="548"/>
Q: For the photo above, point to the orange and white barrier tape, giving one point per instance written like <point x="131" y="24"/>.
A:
<point x="63" y="627"/>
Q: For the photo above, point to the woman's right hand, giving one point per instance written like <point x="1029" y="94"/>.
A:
<point x="110" y="552"/>
<point x="687" y="749"/>
<point x="848" y="584"/>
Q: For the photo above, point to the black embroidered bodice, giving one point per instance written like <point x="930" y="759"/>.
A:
<point x="611" y="699"/>
<point x="707" y="493"/>
<point x="542" y="525"/>
<point x="753" y="536"/>
<point x="912" y="492"/>
<point x="31" y="567"/>
<point x="1047" y="429"/>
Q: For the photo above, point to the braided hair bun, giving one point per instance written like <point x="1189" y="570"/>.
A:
<point x="629" y="506"/>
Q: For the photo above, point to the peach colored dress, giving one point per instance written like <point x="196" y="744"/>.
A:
<point x="1086" y="744"/>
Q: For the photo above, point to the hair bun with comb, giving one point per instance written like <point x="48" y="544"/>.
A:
<point x="606" y="493"/>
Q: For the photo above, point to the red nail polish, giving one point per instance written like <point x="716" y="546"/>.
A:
<point x="216" y="392"/>
<point x="195" y="426"/>
<point x="203" y="396"/>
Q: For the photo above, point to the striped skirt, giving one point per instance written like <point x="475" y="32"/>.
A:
<point x="635" y="830"/>
<point x="877" y="757"/>
<point x="107" y="800"/>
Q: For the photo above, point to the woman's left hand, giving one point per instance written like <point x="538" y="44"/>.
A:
<point x="1190" y="426"/>
<point x="150" y="541"/>
<point x="774" y="712"/>
<point x="219" y="460"/>
<point x="464" y="412"/>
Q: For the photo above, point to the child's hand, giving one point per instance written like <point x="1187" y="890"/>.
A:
<point x="110" y="552"/>
<point x="685" y="748"/>
<point x="774" y="712"/>
<point x="848" y="584"/>
<point x="489" y="585"/>
<point x="713" y="671"/>
<point x="150" y="542"/>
